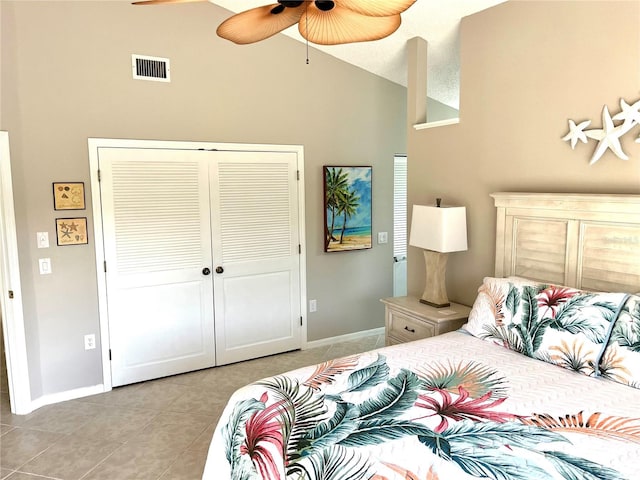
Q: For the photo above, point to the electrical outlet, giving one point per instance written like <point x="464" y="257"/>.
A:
<point x="89" y="341"/>
<point x="313" y="306"/>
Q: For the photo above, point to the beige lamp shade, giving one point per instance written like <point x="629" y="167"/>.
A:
<point x="439" y="229"/>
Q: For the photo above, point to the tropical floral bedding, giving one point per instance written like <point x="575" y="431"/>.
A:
<point x="453" y="407"/>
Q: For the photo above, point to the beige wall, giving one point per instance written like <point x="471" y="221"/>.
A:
<point x="526" y="68"/>
<point x="66" y="76"/>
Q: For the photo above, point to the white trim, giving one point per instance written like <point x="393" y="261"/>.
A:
<point x="12" y="313"/>
<point x="99" y="246"/>
<point x="441" y="123"/>
<point x="344" y="338"/>
<point x="67" y="395"/>
<point x="95" y="144"/>
<point x="303" y="244"/>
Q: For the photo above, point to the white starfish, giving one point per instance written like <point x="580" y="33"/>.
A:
<point x="630" y="114"/>
<point x="608" y="137"/>
<point x="576" y="132"/>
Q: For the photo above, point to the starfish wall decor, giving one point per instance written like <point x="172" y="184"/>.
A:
<point x="608" y="137"/>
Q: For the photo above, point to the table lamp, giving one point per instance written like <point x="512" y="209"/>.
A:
<point x="438" y="230"/>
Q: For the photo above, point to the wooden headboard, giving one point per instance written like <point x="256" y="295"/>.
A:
<point x="580" y="240"/>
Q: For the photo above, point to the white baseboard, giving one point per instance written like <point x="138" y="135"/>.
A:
<point x="67" y="395"/>
<point x="95" y="389"/>
<point x="344" y="338"/>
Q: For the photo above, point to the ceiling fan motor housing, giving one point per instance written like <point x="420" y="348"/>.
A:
<point x="323" y="5"/>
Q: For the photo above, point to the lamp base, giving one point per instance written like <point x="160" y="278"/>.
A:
<point x="435" y="290"/>
<point x="436" y="305"/>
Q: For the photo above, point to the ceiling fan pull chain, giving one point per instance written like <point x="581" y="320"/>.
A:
<point x="306" y="26"/>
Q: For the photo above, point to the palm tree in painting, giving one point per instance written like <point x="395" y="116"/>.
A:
<point x="348" y="207"/>
<point x="336" y="189"/>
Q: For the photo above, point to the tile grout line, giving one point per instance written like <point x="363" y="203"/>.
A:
<point x="37" y="475"/>
<point x="112" y="453"/>
<point x="165" y="409"/>
<point x="17" y="469"/>
<point x="11" y="472"/>
<point x="62" y="437"/>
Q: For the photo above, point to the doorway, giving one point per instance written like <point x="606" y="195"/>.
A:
<point x="399" y="225"/>
<point x="11" y="313"/>
<point x="202" y="251"/>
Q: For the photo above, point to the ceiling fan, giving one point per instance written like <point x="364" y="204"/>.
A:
<point x="323" y="22"/>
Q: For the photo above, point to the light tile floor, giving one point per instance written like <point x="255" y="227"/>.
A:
<point x="155" y="430"/>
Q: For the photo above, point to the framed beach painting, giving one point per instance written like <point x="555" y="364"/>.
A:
<point x="347" y="208"/>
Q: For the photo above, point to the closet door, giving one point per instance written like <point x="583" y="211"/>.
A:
<point x="157" y="238"/>
<point x="254" y="211"/>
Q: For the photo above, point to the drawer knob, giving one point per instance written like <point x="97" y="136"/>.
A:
<point x="410" y="330"/>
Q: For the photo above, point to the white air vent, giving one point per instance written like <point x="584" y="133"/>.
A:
<point x="150" y="68"/>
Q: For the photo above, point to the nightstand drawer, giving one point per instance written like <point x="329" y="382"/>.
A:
<point x="408" y="328"/>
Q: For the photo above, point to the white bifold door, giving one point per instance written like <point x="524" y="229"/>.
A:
<point x="202" y="258"/>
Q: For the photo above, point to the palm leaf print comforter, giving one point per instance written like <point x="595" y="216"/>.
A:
<point x="452" y="407"/>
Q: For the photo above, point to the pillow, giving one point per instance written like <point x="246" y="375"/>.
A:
<point x="491" y="307"/>
<point x="557" y="324"/>
<point x="621" y="360"/>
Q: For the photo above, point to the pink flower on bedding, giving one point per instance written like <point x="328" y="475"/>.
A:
<point x="553" y="297"/>
<point x="461" y="408"/>
<point x="264" y="439"/>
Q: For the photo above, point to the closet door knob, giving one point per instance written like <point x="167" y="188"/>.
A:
<point x="206" y="271"/>
<point x="219" y="269"/>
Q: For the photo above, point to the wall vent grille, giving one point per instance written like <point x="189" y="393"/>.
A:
<point x="150" y="68"/>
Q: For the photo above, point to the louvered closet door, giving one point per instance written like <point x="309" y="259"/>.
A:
<point x="157" y="238"/>
<point x="255" y="243"/>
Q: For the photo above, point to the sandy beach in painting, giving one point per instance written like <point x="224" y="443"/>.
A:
<point x="350" y="242"/>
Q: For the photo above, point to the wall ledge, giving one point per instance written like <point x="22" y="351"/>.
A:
<point x="441" y="123"/>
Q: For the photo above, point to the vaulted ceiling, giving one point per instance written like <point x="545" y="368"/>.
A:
<point x="437" y="21"/>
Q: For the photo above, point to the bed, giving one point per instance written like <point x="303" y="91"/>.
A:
<point x="543" y="382"/>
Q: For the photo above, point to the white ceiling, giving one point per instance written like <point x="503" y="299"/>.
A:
<point x="437" y="21"/>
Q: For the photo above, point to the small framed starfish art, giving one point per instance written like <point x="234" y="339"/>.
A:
<point x="613" y="129"/>
<point x="71" y="231"/>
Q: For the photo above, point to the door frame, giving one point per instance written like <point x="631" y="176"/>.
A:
<point x="95" y="144"/>
<point x="12" y="311"/>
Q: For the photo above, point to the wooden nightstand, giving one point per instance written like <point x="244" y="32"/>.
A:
<point x="407" y="319"/>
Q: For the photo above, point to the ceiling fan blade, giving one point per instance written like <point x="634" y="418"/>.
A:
<point x="377" y="9"/>
<point x="342" y="25"/>
<point x="259" y="23"/>
<point x="158" y="2"/>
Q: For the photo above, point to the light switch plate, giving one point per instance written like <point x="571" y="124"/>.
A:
<point x="43" y="239"/>
<point x="45" y="266"/>
<point x="383" y="237"/>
